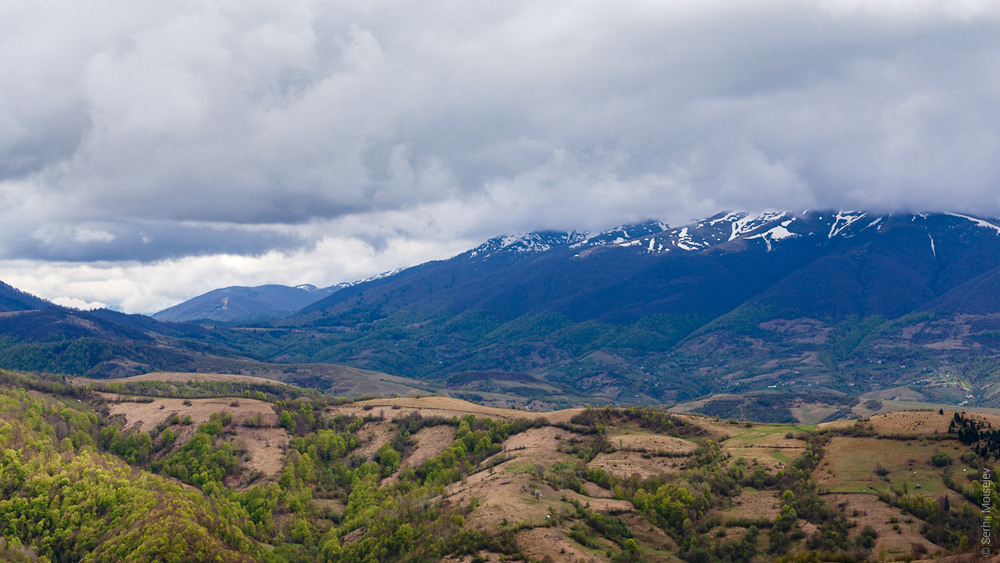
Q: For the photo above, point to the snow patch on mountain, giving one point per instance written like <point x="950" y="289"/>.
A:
<point x="774" y="234"/>
<point x="843" y="220"/>
<point x="685" y="242"/>
<point x="530" y="243"/>
<point x="372" y="278"/>
<point x="620" y="235"/>
<point x="753" y="221"/>
<point x="728" y="217"/>
<point x="978" y="222"/>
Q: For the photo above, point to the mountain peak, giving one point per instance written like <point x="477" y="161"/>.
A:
<point x="522" y="243"/>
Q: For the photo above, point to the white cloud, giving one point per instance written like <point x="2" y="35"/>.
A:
<point x="150" y="287"/>
<point x="92" y="235"/>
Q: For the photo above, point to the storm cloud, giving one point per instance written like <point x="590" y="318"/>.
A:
<point x="336" y="139"/>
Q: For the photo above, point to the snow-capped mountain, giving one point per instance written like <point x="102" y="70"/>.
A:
<point x="527" y="243"/>
<point x="734" y="230"/>
<point x="705" y="267"/>
<point x="623" y="234"/>
<point x="817" y="262"/>
<point x="704" y="304"/>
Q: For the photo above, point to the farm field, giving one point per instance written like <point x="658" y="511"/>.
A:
<point x="851" y="465"/>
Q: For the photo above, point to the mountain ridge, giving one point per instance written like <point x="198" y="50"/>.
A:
<point x="245" y="303"/>
<point x="620" y="319"/>
<point x="13" y="300"/>
<point x="723" y="234"/>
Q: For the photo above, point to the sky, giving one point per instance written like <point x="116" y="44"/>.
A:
<point x="153" y="151"/>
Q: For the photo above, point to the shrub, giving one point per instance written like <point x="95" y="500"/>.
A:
<point x="941" y="459"/>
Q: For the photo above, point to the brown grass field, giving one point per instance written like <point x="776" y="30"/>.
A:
<point x="449" y="406"/>
<point x="340" y="380"/>
<point x="541" y="445"/>
<point x="430" y="441"/>
<point x="172" y="376"/>
<point x="264" y="444"/>
<point x="850" y="463"/>
<point x="626" y="464"/>
<point x="897" y="532"/>
<point x="652" y="443"/>
<point x="752" y="504"/>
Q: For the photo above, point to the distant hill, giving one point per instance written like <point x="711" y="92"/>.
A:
<point x="12" y="299"/>
<point x="979" y="295"/>
<point x="245" y="304"/>
<point x="61" y="340"/>
<point x="104" y="344"/>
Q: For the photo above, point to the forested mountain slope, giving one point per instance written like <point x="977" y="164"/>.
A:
<point x="739" y="302"/>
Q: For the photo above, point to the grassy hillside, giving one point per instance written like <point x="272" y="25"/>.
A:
<point x="250" y="469"/>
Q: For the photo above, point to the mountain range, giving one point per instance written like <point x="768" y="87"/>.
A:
<point x="740" y="311"/>
<point x="737" y="302"/>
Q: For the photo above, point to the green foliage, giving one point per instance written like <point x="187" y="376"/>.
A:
<point x="744" y="320"/>
<point x="866" y="538"/>
<point x="849" y="334"/>
<point x="90" y="506"/>
<point x="941" y="459"/>
<point x="655" y="333"/>
<point x="201" y="388"/>
<point x="203" y="459"/>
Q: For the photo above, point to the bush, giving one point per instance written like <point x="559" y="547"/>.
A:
<point x="867" y="537"/>
<point x="941" y="459"/>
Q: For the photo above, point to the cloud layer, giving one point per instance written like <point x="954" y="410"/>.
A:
<point x="330" y="140"/>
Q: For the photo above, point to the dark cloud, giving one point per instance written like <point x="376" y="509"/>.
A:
<point x="146" y="242"/>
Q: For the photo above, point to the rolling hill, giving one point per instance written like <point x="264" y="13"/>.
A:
<point x="234" y="468"/>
